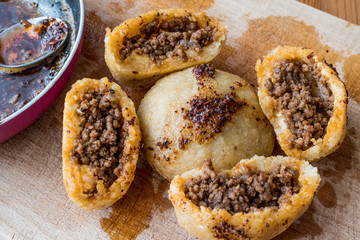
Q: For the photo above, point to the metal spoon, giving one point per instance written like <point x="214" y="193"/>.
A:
<point x="26" y="44"/>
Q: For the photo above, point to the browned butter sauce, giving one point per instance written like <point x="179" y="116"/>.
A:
<point x="16" y="90"/>
<point x="29" y="41"/>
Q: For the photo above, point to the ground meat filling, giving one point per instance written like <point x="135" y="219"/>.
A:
<point x="242" y="192"/>
<point x="168" y="39"/>
<point x="304" y="98"/>
<point x="101" y="141"/>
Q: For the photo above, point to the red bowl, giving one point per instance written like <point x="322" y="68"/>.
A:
<point x="22" y="118"/>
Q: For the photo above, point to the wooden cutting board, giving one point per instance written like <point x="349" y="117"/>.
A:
<point x="33" y="202"/>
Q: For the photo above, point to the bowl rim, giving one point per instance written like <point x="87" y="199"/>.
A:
<point x="60" y="73"/>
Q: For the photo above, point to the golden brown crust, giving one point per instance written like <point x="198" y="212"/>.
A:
<point x="139" y="70"/>
<point x="266" y="223"/>
<point x="336" y="129"/>
<point x="79" y="178"/>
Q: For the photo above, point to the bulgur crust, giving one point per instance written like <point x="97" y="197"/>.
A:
<point x="262" y="223"/>
<point x="85" y="181"/>
<point x="211" y="114"/>
<point x="324" y="102"/>
<point x="141" y="50"/>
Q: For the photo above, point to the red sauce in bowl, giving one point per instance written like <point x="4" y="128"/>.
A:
<point x="16" y="90"/>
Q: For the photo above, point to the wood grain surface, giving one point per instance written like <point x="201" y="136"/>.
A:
<point x="348" y="10"/>
<point x="33" y="201"/>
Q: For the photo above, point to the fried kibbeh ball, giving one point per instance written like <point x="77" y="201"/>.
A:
<point x="305" y="101"/>
<point x="101" y="143"/>
<point x="257" y="199"/>
<point x="142" y="49"/>
<point x="201" y="113"/>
